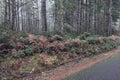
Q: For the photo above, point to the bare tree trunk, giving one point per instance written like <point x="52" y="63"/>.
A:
<point x="110" y="17"/>
<point x="13" y="14"/>
<point x="43" y="15"/>
<point x="6" y="13"/>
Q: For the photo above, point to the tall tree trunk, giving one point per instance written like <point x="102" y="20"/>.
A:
<point x="13" y="14"/>
<point x="110" y="17"/>
<point x="6" y="13"/>
<point x="43" y="15"/>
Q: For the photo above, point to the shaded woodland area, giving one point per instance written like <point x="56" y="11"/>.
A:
<point x="37" y="36"/>
<point x="72" y="16"/>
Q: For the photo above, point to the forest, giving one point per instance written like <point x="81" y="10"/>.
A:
<point x="79" y="16"/>
<point x="39" y="35"/>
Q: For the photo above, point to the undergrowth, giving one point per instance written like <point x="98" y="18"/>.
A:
<point x="50" y="50"/>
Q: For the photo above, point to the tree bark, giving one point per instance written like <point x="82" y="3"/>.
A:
<point x="43" y="15"/>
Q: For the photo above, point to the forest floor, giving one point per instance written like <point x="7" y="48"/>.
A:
<point x="72" y="67"/>
<point x="35" y="57"/>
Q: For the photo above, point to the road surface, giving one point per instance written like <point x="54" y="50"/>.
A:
<point x="105" y="70"/>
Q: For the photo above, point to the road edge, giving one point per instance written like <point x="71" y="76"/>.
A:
<point x="70" y="68"/>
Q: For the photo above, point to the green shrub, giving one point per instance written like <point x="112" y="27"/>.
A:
<point x="86" y="36"/>
<point x="29" y="51"/>
<point x="21" y="34"/>
<point x="105" y="39"/>
<point x="92" y="40"/>
<point x="74" y="50"/>
<point x="19" y="55"/>
<point x="69" y="36"/>
<point x="82" y="37"/>
<point x="4" y="39"/>
<point x="25" y="41"/>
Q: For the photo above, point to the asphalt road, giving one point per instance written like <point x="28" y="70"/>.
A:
<point x="106" y="70"/>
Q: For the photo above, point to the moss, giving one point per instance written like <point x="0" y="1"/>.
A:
<point x="31" y="65"/>
<point x="8" y="62"/>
